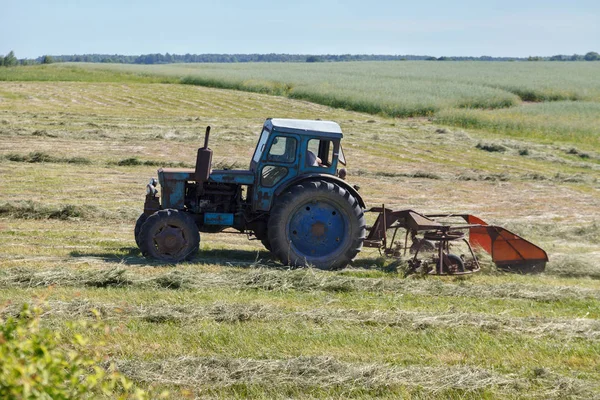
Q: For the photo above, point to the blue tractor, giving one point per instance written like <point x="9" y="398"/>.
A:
<point x="293" y="198"/>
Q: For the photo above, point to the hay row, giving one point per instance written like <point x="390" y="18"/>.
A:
<point x="270" y="279"/>
<point x="223" y="312"/>
<point x="322" y="373"/>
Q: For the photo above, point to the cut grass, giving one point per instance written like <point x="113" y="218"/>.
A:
<point x="41" y="157"/>
<point x="32" y="210"/>
<point x="459" y="296"/>
<point x="328" y="377"/>
<point x="261" y="306"/>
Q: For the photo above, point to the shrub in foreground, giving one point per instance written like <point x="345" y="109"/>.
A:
<point x="36" y="364"/>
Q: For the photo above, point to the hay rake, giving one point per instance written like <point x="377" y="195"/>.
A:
<point x="435" y="235"/>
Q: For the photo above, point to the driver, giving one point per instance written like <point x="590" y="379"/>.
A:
<point x="312" y="160"/>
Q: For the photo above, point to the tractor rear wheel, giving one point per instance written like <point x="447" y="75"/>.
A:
<point x="316" y="223"/>
<point x="169" y="235"/>
<point x="265" y="242"/>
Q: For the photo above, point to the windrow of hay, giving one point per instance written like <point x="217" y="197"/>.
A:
<point x="219" y="311"/>
<point x="304" y="375"/>
<point x="574" y="266"/>
<point x="22" y="277"/>
<point x="41" y="157"/>
<point x="478" y="176"/>
<point x="303" y="280"/>
<point x="134" y="161"/>
<point x="34" y="210"/>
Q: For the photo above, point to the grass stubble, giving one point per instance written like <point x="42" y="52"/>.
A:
<point x="233" y="322"/>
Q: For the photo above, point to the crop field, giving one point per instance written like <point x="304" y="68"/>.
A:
<point x="463" y="94"/>
<point x="77" y="148"/>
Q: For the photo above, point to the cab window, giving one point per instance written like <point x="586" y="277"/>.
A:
<point x="283" y="149"/>
<point x="341" y="156"/>
<point x="320" y="153"/>
<point x="261" y="145"/>
<point x="272" y="174"/>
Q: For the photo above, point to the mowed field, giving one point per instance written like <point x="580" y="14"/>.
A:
<point x="74" y="161"/>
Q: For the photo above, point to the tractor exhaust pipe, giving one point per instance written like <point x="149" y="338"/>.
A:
<point x="206" y="137"/>
<point x="203" y="160"/>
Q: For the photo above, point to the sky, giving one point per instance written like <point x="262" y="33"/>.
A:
<point x="32" y="28"/>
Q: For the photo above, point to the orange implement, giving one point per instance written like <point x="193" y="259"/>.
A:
<point x="509" y="251"/>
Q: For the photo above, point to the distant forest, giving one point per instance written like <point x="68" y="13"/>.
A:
<point x="244" y="58"/>
<point x="167" y="58"/>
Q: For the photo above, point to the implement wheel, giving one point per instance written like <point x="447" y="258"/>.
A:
<point x="316" y="223"/>
<point x="169" y="235"/>
<point x="454" y="264"/>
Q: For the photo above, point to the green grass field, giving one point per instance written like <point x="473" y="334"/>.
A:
<point x="233" y="322"/>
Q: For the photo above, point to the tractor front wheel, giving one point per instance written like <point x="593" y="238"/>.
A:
<point x="138" y="228"/>
<point x="169" y="235"/>
<point x="316" y="223"/>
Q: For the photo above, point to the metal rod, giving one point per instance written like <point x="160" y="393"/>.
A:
<point x="384" y="228"/>
<point x="394" y="237"/>
<point x="472" y="254"/>
<point x="441" y="255"/>
<point x="206" y="137"/>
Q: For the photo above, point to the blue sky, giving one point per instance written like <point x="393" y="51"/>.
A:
<point x="440" y="28"/>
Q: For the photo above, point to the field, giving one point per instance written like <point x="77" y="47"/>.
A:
<point x="463" y="94"/>
<point x="77" y="151"/>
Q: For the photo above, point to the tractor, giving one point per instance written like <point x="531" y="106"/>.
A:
<point x="294" y="198"/>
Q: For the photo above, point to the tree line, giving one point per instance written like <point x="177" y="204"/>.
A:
<point x="11" y="60"/>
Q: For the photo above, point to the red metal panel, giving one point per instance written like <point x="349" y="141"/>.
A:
<point x="510" y="247"/>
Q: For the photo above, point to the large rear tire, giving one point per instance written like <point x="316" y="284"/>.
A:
<point x="316" y="223"/>
<point x="265" y="242"/>
<point x="169" y="235"/>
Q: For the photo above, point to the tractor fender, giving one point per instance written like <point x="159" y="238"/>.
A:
<point x="326" y="178"/>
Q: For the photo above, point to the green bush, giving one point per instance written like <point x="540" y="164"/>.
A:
<point x="36" y="363"/>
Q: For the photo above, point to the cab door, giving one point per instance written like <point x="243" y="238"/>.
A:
<point x="278" y="164"/>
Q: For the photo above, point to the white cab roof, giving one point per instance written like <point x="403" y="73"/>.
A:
<point x="307" y="125"/>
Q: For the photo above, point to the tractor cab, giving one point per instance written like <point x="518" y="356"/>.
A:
<point x="289" y="150"/>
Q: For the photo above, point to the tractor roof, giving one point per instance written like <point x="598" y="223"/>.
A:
<point x="304" y="125"/>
